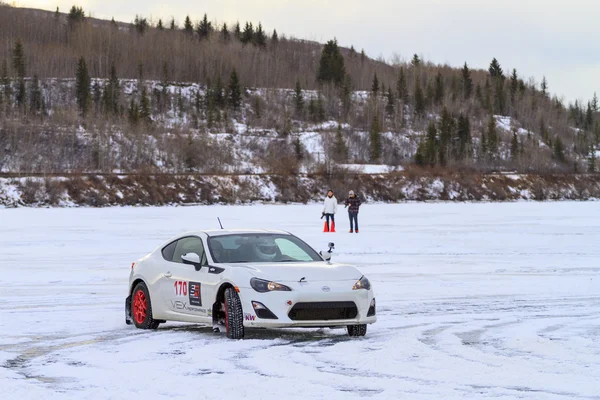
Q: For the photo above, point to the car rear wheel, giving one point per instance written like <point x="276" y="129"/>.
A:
<point x="141" y="308"/>
<point x="234" y="319"/>
<point x="357" y="330"/>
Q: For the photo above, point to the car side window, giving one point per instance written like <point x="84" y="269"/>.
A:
<point x="168" y="251"/>
<point x="186" y="245"/>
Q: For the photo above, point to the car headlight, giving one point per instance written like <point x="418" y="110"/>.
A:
<point x="362" y="283"/>
<point x="263" y="286"/>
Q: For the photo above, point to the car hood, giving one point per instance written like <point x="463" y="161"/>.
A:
<point x="317" y="271"/>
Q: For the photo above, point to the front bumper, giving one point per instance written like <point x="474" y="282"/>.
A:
<point x="281" y="303"/>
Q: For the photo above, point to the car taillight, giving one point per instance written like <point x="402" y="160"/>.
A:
<point x="132" y="265"/>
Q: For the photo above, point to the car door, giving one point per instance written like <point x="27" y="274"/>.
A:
<point x="182" y="286"/>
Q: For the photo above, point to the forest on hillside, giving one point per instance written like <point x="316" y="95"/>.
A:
<point x="81" y="94"/>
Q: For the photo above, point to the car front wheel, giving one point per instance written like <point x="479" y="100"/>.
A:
<point x="357" y="330"/>
<point x="141" y="308"/>
<point x="234" y="319"/>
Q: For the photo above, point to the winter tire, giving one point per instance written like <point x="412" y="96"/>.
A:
<point x="141" y="308"/>
<point x="357" y="330"/>
<point x="234" y="319"/>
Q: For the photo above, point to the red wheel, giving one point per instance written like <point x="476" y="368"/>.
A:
<point x="141" y="308"/>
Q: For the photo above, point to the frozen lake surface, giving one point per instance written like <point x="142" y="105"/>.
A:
<point x="474" y="301"/>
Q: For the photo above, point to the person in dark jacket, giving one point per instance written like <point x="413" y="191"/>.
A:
<point x="353" y="203"/>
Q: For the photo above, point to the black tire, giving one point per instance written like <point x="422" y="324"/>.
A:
<point x="141" y="308"/>
<point x="234" y="317"/>
<point x="357" y="330"/>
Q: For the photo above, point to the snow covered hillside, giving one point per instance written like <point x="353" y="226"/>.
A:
<point x="475" y="301"/>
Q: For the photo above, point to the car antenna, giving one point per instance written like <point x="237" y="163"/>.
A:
<point x="219" y="219"/>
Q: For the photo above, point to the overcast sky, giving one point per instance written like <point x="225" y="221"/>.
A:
<point x="558" y="39"/>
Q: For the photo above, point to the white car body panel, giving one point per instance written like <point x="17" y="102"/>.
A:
<point x="321" y="282"/>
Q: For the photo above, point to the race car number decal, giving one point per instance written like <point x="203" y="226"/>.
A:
<point x="195" y="297"/>
<point x="181" y="288"/>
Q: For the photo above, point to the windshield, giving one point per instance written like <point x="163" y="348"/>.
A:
<point x="260" y="248"/>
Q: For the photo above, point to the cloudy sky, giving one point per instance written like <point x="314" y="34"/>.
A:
<point x="558" y="39"/>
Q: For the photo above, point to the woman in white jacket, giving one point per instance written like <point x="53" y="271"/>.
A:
<point x="329" y="210"/>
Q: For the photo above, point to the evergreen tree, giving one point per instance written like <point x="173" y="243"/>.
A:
<point x="420" y="154"/>
<point x="375" y="85"/>
<point x="133" y="113"/>
<point x="220" y="98"/>
<point x="248" y="33"/>
<point x="112" y="93"/>
<point x="237" y="32"/>
<point x="483" y="147"/>
<point x="274" y="37"/>
<point x="234" y="92"/>
<point x="35" y="98"/>
<point x="172" y="25"/>
<point x="75" y="17"/>
<point x="160" y="25"/>
<point x="401" y="86"/>
<point x="225" y="33"/>
<point x="113" y="24"/>
<point x="467" y="82"/>
<point x="558" y="150"/>
<point x="260" y="39"/>
<point x="419" y="98"/>
<point x="544" y="87"/>
<point x="514" y="85"/>
<point x="145" y="108"/>
<point x="463" y="133"/>
<point x="83" y="87"/>
<point x="499" y="98"/>
<point x="204" y="28"/>
<point x="346" y="94"/>
<point x="331" y="64"/>
<point x="416" y="61"/>
<point x="57" y="14"/>
<point x="496" y="70"/>
<point x="96" y="96"/>
<point x="389" y="108"/>
<point x="188" y="27"/>
<point x="446" y="131"/>
<point x="340" y="150"/>
<point x="298" y="98"/>
<point x="439" y="89"/>
<point x="431" y="145"/>
<point x="595" y="103"/>
<point x="140" y="25"/>
<point x="375" y="139"/>
<point x="514" y="147"/>
<point x="592" y="160"/>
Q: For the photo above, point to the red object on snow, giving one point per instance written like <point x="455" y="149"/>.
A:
<point x="326" y="227"/>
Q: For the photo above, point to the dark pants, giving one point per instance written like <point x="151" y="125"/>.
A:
<point x="332" y="216"/>
<point x="353" y="219"/>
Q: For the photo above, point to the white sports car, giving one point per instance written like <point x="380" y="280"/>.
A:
<point x="235" y="279"/>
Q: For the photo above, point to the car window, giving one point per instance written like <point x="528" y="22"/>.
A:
<point x="261" y="247"/>
<point x="168" y="251"/>
<point x="291" y="250"/>
<point x="186" y="245"/>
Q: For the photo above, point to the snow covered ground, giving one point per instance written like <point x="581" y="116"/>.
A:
<point x="474" y="301"/>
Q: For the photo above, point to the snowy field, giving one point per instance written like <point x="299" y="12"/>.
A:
<point x="475" y="301"/>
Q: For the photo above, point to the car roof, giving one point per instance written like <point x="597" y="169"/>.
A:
<point x="222" y="232"/>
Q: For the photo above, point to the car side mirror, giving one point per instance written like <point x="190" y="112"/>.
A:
<point x="192" y="259"/>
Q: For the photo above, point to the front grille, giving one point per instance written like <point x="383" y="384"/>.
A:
<point x="324" y="311"/>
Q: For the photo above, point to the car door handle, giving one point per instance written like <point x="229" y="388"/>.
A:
<point x="167" y="274"/>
